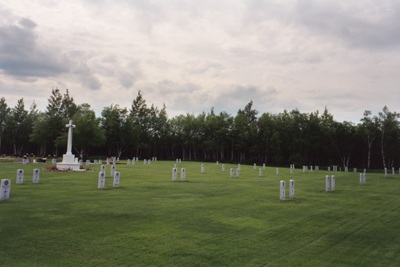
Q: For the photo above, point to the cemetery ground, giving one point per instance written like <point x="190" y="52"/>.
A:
<point x="208" y="220"/>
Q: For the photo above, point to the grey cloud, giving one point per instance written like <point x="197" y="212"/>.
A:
<point x="21" y="56"/>
<point x="359" y="24"/>
<point x="27" y="23"/>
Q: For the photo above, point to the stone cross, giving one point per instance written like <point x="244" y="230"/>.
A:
<point x="69" y="144"/>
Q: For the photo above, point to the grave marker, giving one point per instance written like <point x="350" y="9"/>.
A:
<point x="231" y="173"/>
<point x="174" y="174"/>
<point x="202" y="168"/>
<point x="254" y="167"/>
<point x="183" y="174"/>
<point x="35" y="177"/>
<point x="101" y="181"/>
<point x="260" y="172"/>
<point x="277" y="171"/>
<point x="112" y="170"/>
<point x="237" y="173"/>
<point x="20" y="176"/>
<point x="223" y="167"/>
<point x="117" y="178"/>
<point x="333" y="183"/>
<point x="291" y="188"/>
<point x="282" y="194"/>
<point x="5" y="187"/>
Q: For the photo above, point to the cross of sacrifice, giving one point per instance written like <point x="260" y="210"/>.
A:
<point x="69" y="144"/>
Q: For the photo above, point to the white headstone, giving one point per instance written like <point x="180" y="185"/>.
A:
<point x="354" y="169"/>
<point x="217" y="162"/>
<point x="254" y="167"/>
<point x="317" y="168"/>
<point x="231" y="173"/>
<point x="311" y="168"/>
<point x="101" y="181"/>
<point x="277" y="171"/>
<point x="327" y="183"/>
<point x="113" y="169"/>
<point x="5" y="187"/>
<point x="183" y="174"/>
<point x="282" y="194"/>
<point x="87" y="162"/>
<point x="20" y="176"/>
<point x="117" y="178"/>
<point x="223" y="167"/>
<point x="239" y="167"/>
<point x="263" y="165"/>
<point x="333" y="183"/>
<point x="174" y="174"/>
<point x="145" y="161"/>
<point x="180" y="160"/>
<point x="364" y="178"/>
<point x="35" y="177"/>
<point x="329" y="169"/>
<point x="393" y="171"/>
<point x="149" y="161"/>
<point x="386" y="173"/>
<point x="103" y="169"/>
<point x="291" y="188"/>
<point x="304" y="169"/>
<point x="128" y="162"/>
<point x="237" y="172"/>
<point x="202" y="168"/>
<point x="260" y="171"/>
<point x="177" y="160"/>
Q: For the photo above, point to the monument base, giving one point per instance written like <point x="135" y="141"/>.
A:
<point x="69" y="162"/>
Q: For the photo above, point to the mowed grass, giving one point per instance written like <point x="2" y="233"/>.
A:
<point x="208" y="220"/>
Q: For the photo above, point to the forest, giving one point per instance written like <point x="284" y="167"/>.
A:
<point x="249" y="136"/>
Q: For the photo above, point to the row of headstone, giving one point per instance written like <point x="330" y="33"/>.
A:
<point x="20" y="176"/>
<point x="102" y="179"/>
<point x="178" y="161"/>
<point x="175" y="174"/>
<point x="330" y="183"/>
<point x="282" y="186"/>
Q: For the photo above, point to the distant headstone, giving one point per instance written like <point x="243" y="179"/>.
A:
<point x="263" y="165"/>
<point x="393" y="173"/>
<point x="304" y="169"/>
<point x="260" y="171"/>
<point x="202" y="168"/>
<point x="333" y="183"/>
<point x="35" y="177"/>
<point x="5" y="187"/>
<point x="346" y="169"/>
<point x="223" y="167"/>
<point x="231" y="173"/>
<point x="311" y="168"/>
<point x="317" y="168"/>
<point x="112" y="171"/>
<point x="329" y="169"/>
<point x="217" y="162"/>
<point x="291" y="188"/>
<point x="237" y="172"/>
<point x="117" y="178"/>
<point x="177" y="161"/>
<point x="386" y="173"/>
<point x="54" y="161"/>
<point x="174" y="174"/>
<point x="128" y="162"/>
<point x="255" y="166"/>
<point x="183" y="174"/>
<point x="239" y="167"/>
<point x="282" y="194"/>
<point x="149" y="162"/>
<point x="277" y="171"/>
<point x="180" y="160"/>
<point x="100" y="161"/>
<point x="354" y="169"/>
<point x="145" y="161"/>
<point x="20" y="176"/>
<point x="87" y="163"/>
<point x="327" y="183"/>
<point x="101" y="181"/>
<point x="363" y="178"/>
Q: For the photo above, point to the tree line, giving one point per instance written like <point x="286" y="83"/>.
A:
<point x="289" y="137"/>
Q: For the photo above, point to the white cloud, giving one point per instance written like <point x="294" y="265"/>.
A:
<point x="192" y="56"/>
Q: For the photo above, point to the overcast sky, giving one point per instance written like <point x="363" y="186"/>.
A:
<point x="195" y="55"/>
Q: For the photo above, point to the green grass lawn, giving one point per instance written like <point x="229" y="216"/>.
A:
<point x="208" y="220"/>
